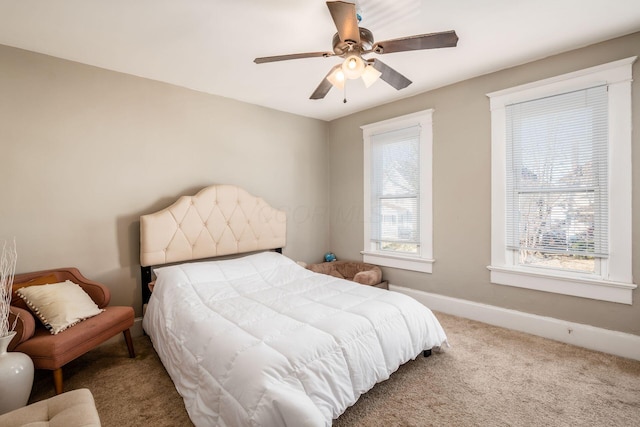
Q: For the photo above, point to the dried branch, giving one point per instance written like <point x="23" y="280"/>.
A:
<point x="7" y="271"/>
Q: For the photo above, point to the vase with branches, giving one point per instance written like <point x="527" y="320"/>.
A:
<point x="16" y="369"/>
<point x="8" y="260"/>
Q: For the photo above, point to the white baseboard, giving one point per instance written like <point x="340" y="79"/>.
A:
<point x="136" y="331"/>
<point x="599" y="339"/>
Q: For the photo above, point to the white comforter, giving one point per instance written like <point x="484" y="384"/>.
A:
<point x="261" y="341"/>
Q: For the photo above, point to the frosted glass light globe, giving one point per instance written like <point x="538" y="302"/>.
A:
<point x="353" y="66"/>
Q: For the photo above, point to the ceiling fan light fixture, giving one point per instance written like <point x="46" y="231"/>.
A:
<point x="351" y="41"/>
<point x="370" y="75"/>
<point x="353" y="66"/>
<point x="336" y="78"/>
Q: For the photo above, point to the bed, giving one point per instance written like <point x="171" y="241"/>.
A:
<point x="257" y="339"/>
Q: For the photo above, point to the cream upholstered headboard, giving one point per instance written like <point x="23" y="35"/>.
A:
<point x="219" y="220"/>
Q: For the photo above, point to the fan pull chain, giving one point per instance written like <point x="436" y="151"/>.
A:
<point x="344" y="101"/>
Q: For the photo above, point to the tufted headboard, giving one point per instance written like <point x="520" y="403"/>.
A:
<point x="219" y="220"/>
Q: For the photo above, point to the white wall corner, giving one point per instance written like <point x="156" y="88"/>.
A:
<point x="590" y="337"/>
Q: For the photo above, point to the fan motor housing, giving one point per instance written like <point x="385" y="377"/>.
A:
<point x="342" y="47"/>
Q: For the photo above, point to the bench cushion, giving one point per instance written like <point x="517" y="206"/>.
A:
<point x="53" y="351"/>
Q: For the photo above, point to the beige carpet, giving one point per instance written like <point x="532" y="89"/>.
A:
<point x="490" y="377"/>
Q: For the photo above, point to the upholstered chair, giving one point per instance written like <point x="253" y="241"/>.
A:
<point x="52" y="352"/>
<point x="74" y="408"/>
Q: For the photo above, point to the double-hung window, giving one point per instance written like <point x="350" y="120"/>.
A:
<point x="397" y="200"/>
<point x="561" y="184"/>
<point x="557" y="175"/>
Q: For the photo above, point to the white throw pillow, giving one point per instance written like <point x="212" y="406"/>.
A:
<point x="59" y="305"/>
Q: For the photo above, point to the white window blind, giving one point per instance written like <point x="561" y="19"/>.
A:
<point x="557" y="159"/>
<point x="395" y="190"/>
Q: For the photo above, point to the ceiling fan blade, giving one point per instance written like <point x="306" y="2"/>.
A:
<point x="344" y="16"/>
<point x="325" y="85"/>
<point x="265" y="59"/>
<point x="423" y="41"/>
<point x="390" y="75"/>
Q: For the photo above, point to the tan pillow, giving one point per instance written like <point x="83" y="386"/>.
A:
<point x="59" y="305"/>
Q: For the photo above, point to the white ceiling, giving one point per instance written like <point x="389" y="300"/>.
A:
<point x="209" y="45"/>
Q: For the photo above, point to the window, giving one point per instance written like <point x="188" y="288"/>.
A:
<point x="561" y="152"/>
<point x="557" y="180"/>
<point x="397" y="199"/>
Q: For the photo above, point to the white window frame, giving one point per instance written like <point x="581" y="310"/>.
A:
<point x="423" y="260"/>
<point x="614" y="281"/>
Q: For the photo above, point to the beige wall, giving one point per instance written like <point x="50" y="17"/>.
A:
<point x="84" y="152"/>
<point x="462" y="190"/>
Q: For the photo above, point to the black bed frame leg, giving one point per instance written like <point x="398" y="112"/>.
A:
<point x="426" y="353"/>
<point x="145" y="278"/>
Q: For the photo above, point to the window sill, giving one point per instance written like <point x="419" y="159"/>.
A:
<point x="567" y="285"/>
<point x="423" y="265"/>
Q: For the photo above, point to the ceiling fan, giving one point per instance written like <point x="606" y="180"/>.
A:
<point x="351" y="42"/>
